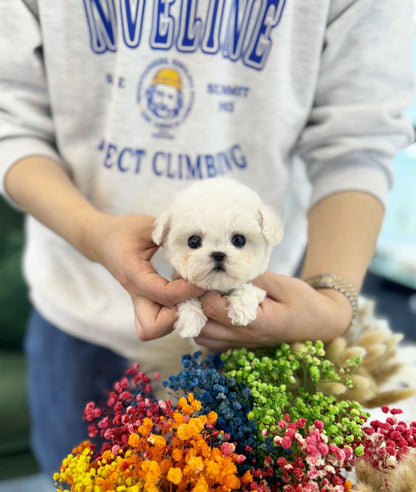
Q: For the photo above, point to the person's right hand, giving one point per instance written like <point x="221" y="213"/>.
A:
<point x="123" y="245"/>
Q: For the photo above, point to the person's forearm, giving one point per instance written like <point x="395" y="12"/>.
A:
<point x="43" y="189"/>
<point x="343" y="231"/>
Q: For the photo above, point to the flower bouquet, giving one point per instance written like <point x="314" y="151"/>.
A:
<point x="275" y="419"/>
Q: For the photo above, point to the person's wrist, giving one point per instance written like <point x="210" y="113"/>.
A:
<point x="344" y="308"/>
<point x="93" y="233"/>
<point x="333" y="283"/>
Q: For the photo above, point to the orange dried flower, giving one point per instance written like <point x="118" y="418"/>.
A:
<point x="157" y="441"/>
<point x="134" y="440"/>
<point x="212" y="417"/>
<point x="175" y="475"/>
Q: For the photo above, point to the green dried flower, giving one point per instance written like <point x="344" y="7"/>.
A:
<point x="285" y="380"/>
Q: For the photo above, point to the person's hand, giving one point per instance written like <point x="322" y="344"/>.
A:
<point x="123" y="245"/>
<point x="292" y="311"/>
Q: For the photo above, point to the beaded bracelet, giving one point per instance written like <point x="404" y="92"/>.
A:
<point x="329" y="281"/>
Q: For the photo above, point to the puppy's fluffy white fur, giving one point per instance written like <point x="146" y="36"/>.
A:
<point x="218" y="235"/>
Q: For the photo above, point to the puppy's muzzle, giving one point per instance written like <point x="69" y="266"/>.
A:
<point x="218" y="257"/>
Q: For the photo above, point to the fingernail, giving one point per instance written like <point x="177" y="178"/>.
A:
<point x="209" y="311"/>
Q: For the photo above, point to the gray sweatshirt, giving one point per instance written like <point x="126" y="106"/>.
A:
<point x="137" y="99"/>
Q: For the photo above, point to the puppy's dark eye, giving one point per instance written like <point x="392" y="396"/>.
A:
<point x="238" y="240"/>
<point x="194" y="242"/>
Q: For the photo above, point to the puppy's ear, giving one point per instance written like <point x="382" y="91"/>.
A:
<point x="271" y="225"/>
<point x="161" y="228"/>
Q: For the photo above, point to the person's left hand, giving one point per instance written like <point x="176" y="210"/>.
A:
<point x="292" y="311"/>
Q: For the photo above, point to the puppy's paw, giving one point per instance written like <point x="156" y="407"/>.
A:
<point x="243" y="302"/>
<point x="191" y="319"/>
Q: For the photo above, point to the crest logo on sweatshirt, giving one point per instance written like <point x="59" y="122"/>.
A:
<point x="165" y="95"/>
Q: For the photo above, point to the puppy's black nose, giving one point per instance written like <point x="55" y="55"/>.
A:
<point x="218" y="256"/>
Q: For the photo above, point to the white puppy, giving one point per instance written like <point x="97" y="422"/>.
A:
<point x="218" y="235"/>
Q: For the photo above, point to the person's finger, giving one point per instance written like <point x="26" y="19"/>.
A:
<point x="228" y="335"/>
<point x="218" y="338"/>
<point x="276" y="286"/>
<point x="214" y="306"/>
<point x="152" y="319"/>
<point x="148" y="283"/>
<point x="272" y="323"/>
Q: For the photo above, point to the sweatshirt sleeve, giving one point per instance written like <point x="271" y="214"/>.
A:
<point x="356" y="125"/>
<point x="26" y="126"/>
